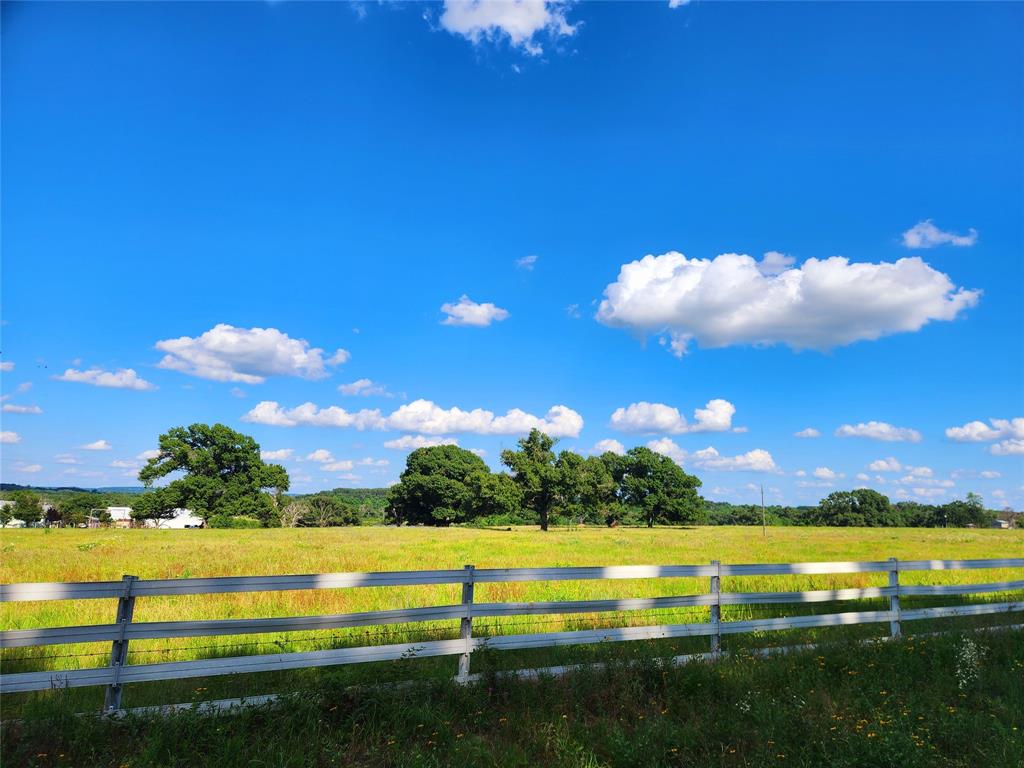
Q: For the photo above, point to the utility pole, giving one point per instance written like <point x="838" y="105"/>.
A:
<point x="764" y="525"/>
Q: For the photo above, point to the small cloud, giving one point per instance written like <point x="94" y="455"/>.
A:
<point x="321" y="455"/>
<point x="9" y="438"/>
<point x="573" y="311"/>
<point x="66" y="458"/>
<point x="890" y="464"/>
<point x="364" y="388"/>
<point x="412" y="442"/>
<point x="123" y="378"/>
<point x="925" y="234"/>
<point x="147" y="455"/>
<point x="6" y="366"/>
<point x="879" y="430"/>
<point x="24" y="387"/>
<point x="526" y="263"/>
<point x="467" y="312"/>
<point x="99" y="445"/>
<point x="604" y="446"/>
<point x="340" y="357"/>
<point x="12" y="408"/>
<point x="237" y="392"/>
<point x="826" y="473"/>
<point x="281" y="454"/>
<point x="29" y="468"/>
<point x="807" y="433"/>
<point x="124" y="464"/>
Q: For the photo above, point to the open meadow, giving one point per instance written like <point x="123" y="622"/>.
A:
<point x="92" y="555"/>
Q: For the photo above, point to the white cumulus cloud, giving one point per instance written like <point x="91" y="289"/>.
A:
<point x="147" y="455"/>
<point x="604" y="446"/>
<point x="308" y="414"/>
<point x="246" y="355"/>
<point x="321" y="455"/>
<point x="6" y="366"/>
<point x="757" y="460"/>
<point x="467" y="312"/>
<point x="716" y="416"/>
<point x="122" y="378"/>
<point x="879" y="430"/>
<point x="925" y="234"/>
<point x="890" y="464"/>
<point x="826" y="473"/>
<point x="521" y="22"/>
<point x="1008" y="448"/>
<point x="30" y="468"/>
<point x="426" y="417"/>
<point x="809" y="432"/>
<point x="822" y="304"/>
<point x="98" y="445"/>
<point x="281" y="454"/>
<point x="979" y="431"/>
<point x="8" y="437"/>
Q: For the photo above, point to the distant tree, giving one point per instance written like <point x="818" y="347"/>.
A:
<point x="965" y="512"/>
<point x="537" y="474"/>
<point x="224" y="475"/>
<point x="292" y="513"/>
<point x="323" y="510"/>
<point x="861" y="507"/>
<point x="27" y="507"/>
<point x="6" y="514"/>
<point x="436" y="487"/>
<point x="660" y="488"/>
<point x="494" y="494"/>
<point x="74" y="509"/>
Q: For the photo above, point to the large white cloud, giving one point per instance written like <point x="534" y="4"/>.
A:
<point x="428" y="418"/>
<point x="879" y="430"/>
<point x="122" y="378"/>
<point x="757" y="460"/>
<point x="821" y="304"/>
<point x="248" y="355"/>
<point x="925" y="234"/>
<point x="309" y="414"/>
<point x="468" y="312"/>
<point x="716" y="416"/>
<point x="421" y="416"/>
<point x="979" y="431"/>
<point x="1013" y="447"/>
<point x="520" y="21"/>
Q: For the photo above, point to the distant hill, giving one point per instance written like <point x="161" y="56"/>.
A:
<point x="71" y="488"/>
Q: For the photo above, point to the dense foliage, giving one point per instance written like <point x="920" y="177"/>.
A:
<point x="446" y="484"/>
<point x="223" y="477"/>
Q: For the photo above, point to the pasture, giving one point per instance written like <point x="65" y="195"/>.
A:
<point x="89" y="555"/>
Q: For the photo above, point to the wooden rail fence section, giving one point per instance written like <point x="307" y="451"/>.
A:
<point x="131" y="588"/>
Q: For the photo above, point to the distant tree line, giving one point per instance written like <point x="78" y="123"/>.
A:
<point x="862" y="507"/>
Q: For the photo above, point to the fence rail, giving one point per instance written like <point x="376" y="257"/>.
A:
<point x="130" y="589"/>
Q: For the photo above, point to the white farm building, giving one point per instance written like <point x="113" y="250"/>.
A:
<point x="183" y="518"/>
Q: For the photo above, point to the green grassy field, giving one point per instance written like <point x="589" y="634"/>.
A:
<point x="84" y="555"/>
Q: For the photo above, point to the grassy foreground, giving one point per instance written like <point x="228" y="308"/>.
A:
<point x="84" y="555"/>
<point x="954" y="700"/>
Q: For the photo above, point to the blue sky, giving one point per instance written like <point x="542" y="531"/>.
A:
<point x="178" y="175"/>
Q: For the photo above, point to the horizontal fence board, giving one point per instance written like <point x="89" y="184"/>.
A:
<point x="488" y="575"/>
<point x="59" y="590"/>
<point x="960" y="610"/>
<point x="213" y="627"/>
<point x="810" y="596"/>
<point x="961" y="589"/>
<point x="959" y="565"/>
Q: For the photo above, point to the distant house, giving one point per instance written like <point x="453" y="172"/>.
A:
<point x="1000" y="523"/>
<point x="121" y="517"/>
<point x="182" y="518"/>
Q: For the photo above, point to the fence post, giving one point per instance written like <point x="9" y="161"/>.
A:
<point x="466" y="627"/>
<point x="716" y="610"/>
<point x="894" y="599"/>
<point x="119" y="649"/>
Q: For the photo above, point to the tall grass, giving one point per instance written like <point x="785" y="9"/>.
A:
<point x="947" y="701"/>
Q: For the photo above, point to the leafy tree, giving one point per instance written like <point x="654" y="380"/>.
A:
<point x="436" y="487"/>
<point x="962" y="513"/>
<point x="494" y="494"/>
<point x="860" y="507"/>
<point x="76" y="508"/>
<point x="27" y="507"/>
<point x="537" y="474"/>
<point x="6" y="515"/>
<point x="323" y="510"/>
<point x="660" y="488"/>
<point x="223" y="475"/>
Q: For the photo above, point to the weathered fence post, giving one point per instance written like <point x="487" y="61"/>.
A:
<point x="894" y="599"/>
<point x="119" y="649"/>
<point x="466" y="627"/>
<point x="716" y="609"/>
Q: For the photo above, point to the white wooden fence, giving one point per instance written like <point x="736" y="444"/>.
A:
<point x="130" y="589"/>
